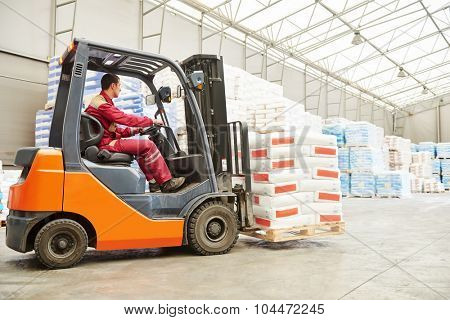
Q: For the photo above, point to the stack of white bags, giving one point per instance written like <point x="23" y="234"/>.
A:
<point x="445" y="171"/>
<point x="7" y="178"/>
<point x="428" y="147"/>
<point x="295" y="179"/>
<point x="443" y="150"/>
<point x="422" y="173"/>
<point x="393" y="184"/>
<point x="42" y="129"/>
<point x="366" y="156"/>
<point x="399" y="152"/>
<point x="422" y="165"/>
<point x="54" y="73"/>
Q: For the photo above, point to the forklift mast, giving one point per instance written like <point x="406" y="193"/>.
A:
<point x="212" y="103"/>
<point x="228" y="141"/>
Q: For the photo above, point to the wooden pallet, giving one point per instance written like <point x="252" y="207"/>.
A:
<point x="389" y="196"/>
<point x="362" y="196"/>
<point x="297" y="233"/>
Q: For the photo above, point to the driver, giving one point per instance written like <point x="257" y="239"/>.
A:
<point x="147" y="154"/>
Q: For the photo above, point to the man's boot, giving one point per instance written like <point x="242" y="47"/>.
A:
<point x="172" y="184"/>
<point x="153" y="186"/>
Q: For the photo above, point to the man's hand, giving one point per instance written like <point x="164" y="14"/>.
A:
<point x="158" y="122"/>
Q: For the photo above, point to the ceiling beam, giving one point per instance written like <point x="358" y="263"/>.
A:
<point x="374" y="46"/>
<point x="221" y="18"/>
<point x="434" y="22"/>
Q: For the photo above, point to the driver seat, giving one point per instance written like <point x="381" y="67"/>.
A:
<point x="91" y="132"/>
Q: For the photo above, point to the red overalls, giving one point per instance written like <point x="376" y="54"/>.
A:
<point x="147" y="154"/>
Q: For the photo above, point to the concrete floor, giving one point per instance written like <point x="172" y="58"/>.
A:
<point x="393" y="249"/>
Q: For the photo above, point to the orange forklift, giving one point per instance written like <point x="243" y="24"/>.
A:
<point x="72" y="196"/>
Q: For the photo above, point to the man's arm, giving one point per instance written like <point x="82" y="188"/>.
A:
<point x="114" y="114"/>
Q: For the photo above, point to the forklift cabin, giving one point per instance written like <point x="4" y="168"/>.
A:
<point x="72" y="195"/>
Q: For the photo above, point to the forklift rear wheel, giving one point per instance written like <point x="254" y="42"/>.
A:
<point x="61" y="243"/>
<point x="212" y="229"/>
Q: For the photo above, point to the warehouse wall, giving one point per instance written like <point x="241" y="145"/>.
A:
<point x="24" y="27"/>
<point x="118" y="24"/>
<point x="422" y="124"/>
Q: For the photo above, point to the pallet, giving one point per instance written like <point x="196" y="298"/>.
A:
<point x="389" y="196"/>
<point x="362" y="196"/>
<point x="297" y="233"/>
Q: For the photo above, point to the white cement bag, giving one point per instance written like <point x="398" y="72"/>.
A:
<point x="327" y="196"/>
<point x="297" y="221"/>
<point x="273" y="189"/>
<point x="272" y="139"/>
<point x="282" y="200"/>
<point x="325" y="173"/>
<point x="314" y="138"/>
<point x="290" y="151"/>
<point x="321" y="208"/>
<point x="314" y="162"/>
<point x="273" y="164"/>
<point x="323" y="151"/>
<point x="323" y="217"/>
<point x="276" y="213"/>
<point x="280" y="176"/>
<point x="313" y="185"/>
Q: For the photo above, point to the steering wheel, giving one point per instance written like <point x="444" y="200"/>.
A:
<point x="152" y="130"/>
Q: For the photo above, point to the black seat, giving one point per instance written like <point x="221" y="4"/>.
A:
<point x="91" y="132"/>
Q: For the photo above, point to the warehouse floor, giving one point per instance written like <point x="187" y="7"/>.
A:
<point x="393" y="249"/>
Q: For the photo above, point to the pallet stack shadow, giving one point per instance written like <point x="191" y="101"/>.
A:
<point x="295" y="179"/>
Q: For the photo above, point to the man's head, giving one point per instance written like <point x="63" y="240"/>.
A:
<point x="111" y="85"/>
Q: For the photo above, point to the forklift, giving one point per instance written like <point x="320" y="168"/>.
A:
<point x="71" y="195"/>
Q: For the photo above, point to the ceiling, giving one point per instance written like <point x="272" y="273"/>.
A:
<point x="408" y="34"/>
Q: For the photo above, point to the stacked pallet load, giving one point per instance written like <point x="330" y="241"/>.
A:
<point x="336" y="127"/>
<point x="366" y="157"/>
<point x="393" y="184"/>
<point x="436" y="169"/>
<point x="42" y="129"/>
<point x="344" y="168"/>
<point x="422" y="171"/>
<point x="443" y="156"/>
<point x="7" y="178"/>
<point x="295" y="179"/>
<point x="249" y="98"/>
<point x="2" y="207"/>
<point x="399" y="152"/>
<point x="445" y="171"/>
<point x="54" y="74"/>
<point x="432" y="186"/>
<point x="427" y="147"/>
<point x="397" y="181"/>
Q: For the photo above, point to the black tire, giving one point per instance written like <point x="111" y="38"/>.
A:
<point x="212" y="229"/>
<point x="61" y="243"/>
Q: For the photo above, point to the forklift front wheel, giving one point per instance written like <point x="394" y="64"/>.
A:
<point x="212" y="229"/>
<point x="61" y="243"/>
